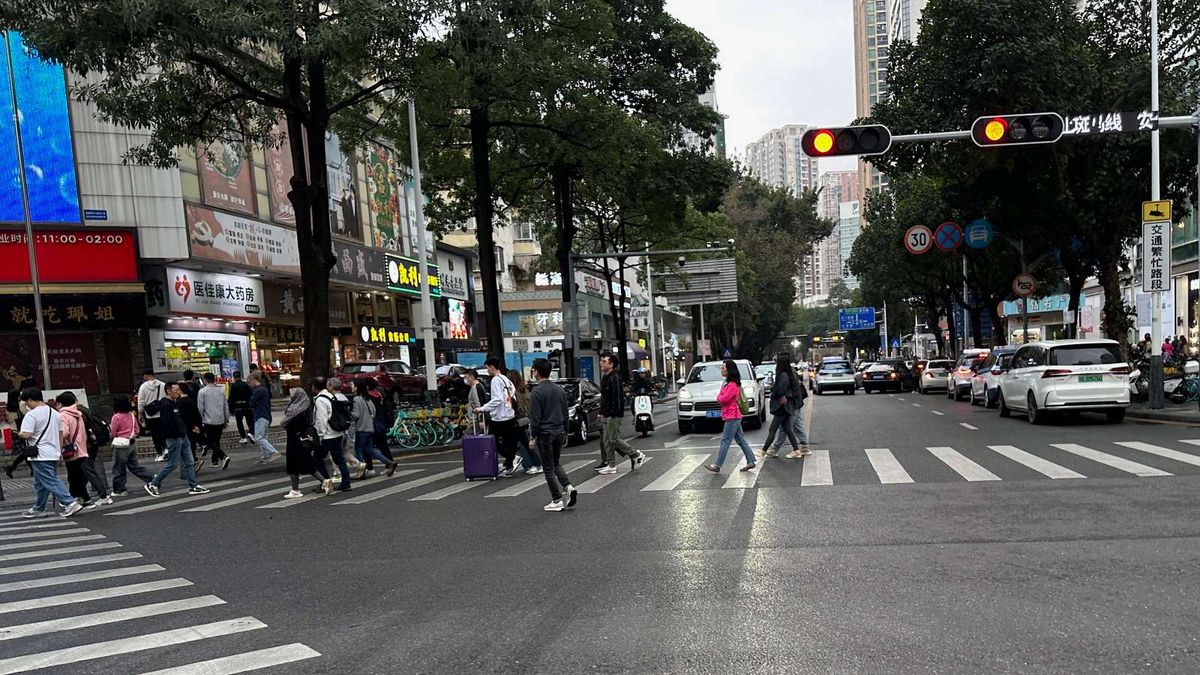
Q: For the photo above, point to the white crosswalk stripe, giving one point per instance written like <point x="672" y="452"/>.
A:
<point x="77" y="578"/>
<point x="71" y="562"/>
<point x="122" y="502"/>
<point x="178" y="498"/>
<point x="537" y="481"/>
<point x="447" y="491"/>
<point x="224" y="503"/>
<point x="1119" y="463"/>
<point x="25" y="527"/>
<point x="593" y="485"/>
<point x="243" y="663"/>
<point x="43" y="534"/>
<point x="886" y="467"/>
<point x="1042" y="466"/>
<point x="964" y="467"/>
<point x="92" y="595"/>
<point x="817" y="470"/>
<point x="744" y="480"/>
<point x="676" y="474"/>
<point x="59" y="551"/>
<point x="288" y="503"/>
<point x="111" y="616"/>
<point x="403" y="487"/>
<point x="1161" y="452"/>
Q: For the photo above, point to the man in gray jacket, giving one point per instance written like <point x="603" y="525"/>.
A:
<point x="548" y="426"/>
<point x="214" y="415"/>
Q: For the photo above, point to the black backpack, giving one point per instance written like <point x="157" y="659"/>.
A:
<point x="342" y="416"/>
<point x="98" y="433"/>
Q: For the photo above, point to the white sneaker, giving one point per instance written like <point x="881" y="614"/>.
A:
<point x="327" y="485"/>
<point x="34" y="513"/>
<point x="555" y="505"/>
<point x="72" y="509"/>
<point x="92" y="505"/>
<point x="107" y="500"/>
<point x="243" y="441"/>
<point x="160" y="458"/>
<point x="608" y="470"/>
<point x="533" y="470"/>
<point x="293" y="494"/>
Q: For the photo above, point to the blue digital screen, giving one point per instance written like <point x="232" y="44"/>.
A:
<point x="46" y="135"/>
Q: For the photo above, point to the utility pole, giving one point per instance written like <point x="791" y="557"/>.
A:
<point x="887" y="346"/>
<point x="1156" y="365"/>
<point x="426" y="315"/>
<point x="650" y="293"/>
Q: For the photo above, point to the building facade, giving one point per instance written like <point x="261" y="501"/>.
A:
<point x="777" y="159"/>
<point x="871" y="43"/>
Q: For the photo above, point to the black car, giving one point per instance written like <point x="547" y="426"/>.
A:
<point x="887" y="375"/>
<point x="583" y="399"/>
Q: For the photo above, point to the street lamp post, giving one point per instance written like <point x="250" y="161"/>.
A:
<point x="1156" y="371"/>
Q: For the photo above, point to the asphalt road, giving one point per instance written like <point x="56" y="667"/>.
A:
<point x="922" y="535"/>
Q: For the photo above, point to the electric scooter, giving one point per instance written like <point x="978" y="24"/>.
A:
<point x="643" y="415"/>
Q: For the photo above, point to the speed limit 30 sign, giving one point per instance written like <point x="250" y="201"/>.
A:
<point x="918" y="239"/>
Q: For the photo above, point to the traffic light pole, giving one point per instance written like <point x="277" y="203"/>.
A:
<point x="1156" y="337"/>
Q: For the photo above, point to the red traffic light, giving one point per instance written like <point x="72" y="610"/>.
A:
<point x="871" y="139"/>
<point x="1017" y="129"/>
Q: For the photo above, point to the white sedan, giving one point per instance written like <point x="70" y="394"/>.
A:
<point x="1066" y="375"/>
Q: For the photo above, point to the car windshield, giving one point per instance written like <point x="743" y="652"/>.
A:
<point x="712" y="373"/>
<point x="1084" y="355"/>
<point x="883" y="367"/>
<point x="942" y="365"/>
<point x="354" y="368"/>
<point x="864" y="366"/>
<point x="835" y="369"/>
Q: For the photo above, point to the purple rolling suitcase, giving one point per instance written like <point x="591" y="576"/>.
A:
<point x="480" y="459"/>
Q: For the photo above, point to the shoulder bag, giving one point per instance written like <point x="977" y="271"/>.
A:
<point x="23" y="449"/>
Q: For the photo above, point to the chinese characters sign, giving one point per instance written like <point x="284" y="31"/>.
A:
<point x="225" y="177"/>
<point x="70" y="256"/>
<point x="1109" y="123"/>
<point x="74" y="312"/>
<point x="358" y="265"/>
<point x="384" y="335"/>
<point x="1155" y="251"/>
<point x="210" y="294"/>
<point x="404" y="278"/>
<point x="279" y="176"/>
<point x="72" y="361"/>
<point x="244" y="241"/>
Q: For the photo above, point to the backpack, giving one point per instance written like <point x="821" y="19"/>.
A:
<point x="743" y="402"/>
<point x="342" y="415"/>
<point x="98" y="433"/>
<point x="485" y="394"/>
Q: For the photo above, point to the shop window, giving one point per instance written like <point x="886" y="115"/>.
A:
<point x="403" y="312"/>
<point x="384" y="313"/>
<point x="363" y="310"/>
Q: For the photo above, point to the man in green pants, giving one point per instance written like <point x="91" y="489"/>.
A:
<point x="612" y="409"/>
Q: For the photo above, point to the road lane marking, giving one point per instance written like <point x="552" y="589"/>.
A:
<point x="887" y="467"/>
<point x="76" y="578"/>
<point x="173" y="499"/>
<point x="937" y="412"/>
<point x="744" y="479"/>
<point x="1118" y="463"/>
<point x="287" y="503"/>
<point x="678" y="441"/>
<point x="961" y="465"/>
<point x="1162" y="452"/>
<point x="89" y="596"/>
<point x="111" y="616"/>
<point x="403" y="487"/>
<point x="71" y="562"/>
<point x="604" y="480"/>
<point x="39" y="526"/>
<point x="59" y="551"/>
<point x="917" y="405"/>
<point x="454" y="489"/>
<point x="899" y="398"/>
<point x="1042" y="466"/>
<point x="676" y="474"/>
<point x="243" y="663"/>
<point x="817" y="470"/>
<point x="968" y="426"/>
<point x="531" y="483"/>
<point x="122" y="502"/>
<point x="98" y="650"/>
<point x="35" y="535"/>
<point x="274" y="491"/>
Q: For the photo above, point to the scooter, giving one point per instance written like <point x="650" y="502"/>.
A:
<point x="643" y="414"/>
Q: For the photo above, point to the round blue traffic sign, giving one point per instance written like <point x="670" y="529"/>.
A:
<point x="979" y="233"/>
<point x="948" y="236"/>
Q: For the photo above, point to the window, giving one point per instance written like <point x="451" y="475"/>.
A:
<point x="1085" y="355"/>
<point x="524" y="232"/>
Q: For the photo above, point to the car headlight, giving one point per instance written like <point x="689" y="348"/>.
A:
<point x="685" y="395"/>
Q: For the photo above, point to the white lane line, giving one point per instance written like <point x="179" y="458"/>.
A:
<point x="447" y="491"/>
<point x="11" y="516"/>
<point x="71" y="562"/>
<point x="403" y="487"/>
<point x="224" y="503"/>
<point x="539" y="480"/>
<point x="744" y="479"/>
<point x="715" y="438"/>
<point x="111" y="616"/>
<point x="1118" y="463"/>
<point x="968" y="426"/>
<point x="961" y="465"/>
<point x="1190" y="441"/>
<point x="899" y="398"/>
<point x="76" y="578"/>
<point x="678" y="441"/>
<point x="122" y="502"/>
<point x="50" y="542"/>
<point x="243" y="663"/>
<point x="600" y="482"/>
<point x="58" y="551"/>
<point x="39" y="526"/>
<point x="287" y="503"/>
<point x="892" y="395"/>
<point x="35" y="535"/>
<point x="169" y="500"/>
<point x="676" y="474"/>
<point x="1042" y="466"/>
<point x="97" y="650"/>
<point x="1161" y="452"/>
<point x="917" y="405"/>
<point x="817" y="469"/>
<point x="937" y="412"/>
<point x="887" y="467"/>
<point x="89" y="596"/>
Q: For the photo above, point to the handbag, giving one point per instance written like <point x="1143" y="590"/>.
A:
<point x="743" y="402"/>
<point x="121" y="442"/>
<point x="154" y="407"/>
<point x="23" y="449"/>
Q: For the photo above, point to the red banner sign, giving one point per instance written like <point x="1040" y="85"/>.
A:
<point x="94" y="255"/>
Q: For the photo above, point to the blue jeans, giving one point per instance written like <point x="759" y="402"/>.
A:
<point x="731" y="433"/>
<point x="46" y="482"/>
<point x="798" y="429"/>
<point x="333" y="447"/>
<point x="261" y="425"/>
<point x="364" y="447"/>
<point x="178" y="449"/>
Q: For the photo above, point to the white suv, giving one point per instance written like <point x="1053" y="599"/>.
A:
<point x="697" y="400"/>
<point x="1074" y="375"/>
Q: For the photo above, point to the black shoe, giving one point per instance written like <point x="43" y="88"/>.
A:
<point x="391" y="469"/>
<point x="344" y="488"/>
<point x="9" y="472"/>
<point x="572" y="496"/>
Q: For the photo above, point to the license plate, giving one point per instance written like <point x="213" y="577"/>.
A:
<point x="713" y="413"/>
<point x="1091" y="378"/>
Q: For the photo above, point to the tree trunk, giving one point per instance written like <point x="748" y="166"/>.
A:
<point x="950" y="327"/>
<point x="999" y="334"/>
<point x="1075" y="288"/>
<point x="481" y="163"/>
<point x="976" y="324"/>
<point x="1116" y="323"/>
<point x="564" y="216"/>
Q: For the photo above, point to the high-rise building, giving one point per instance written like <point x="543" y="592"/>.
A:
<point x="847" y="230"/>
<point x="903" y="16"/>
<point x="871" y="42"/>
<point x="777" y="159"/>
<point x="826" y="263"/>
<point x="692" y="140"/>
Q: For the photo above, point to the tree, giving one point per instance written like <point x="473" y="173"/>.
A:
<point x="196" y="71"/>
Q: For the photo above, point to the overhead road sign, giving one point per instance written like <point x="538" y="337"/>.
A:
<point x="856" y="318"/>
<point x="703" y="282"/>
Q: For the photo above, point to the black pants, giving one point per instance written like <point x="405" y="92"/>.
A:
<point x="245" y="421"/>
<point x="785" y="421"/>
<point x="549" y="448"/>
<point x="379" y="438"/>
<point x="506" y="440"/>
<point x="160" y="441"/>
<point x="212" y="438"/>
<point x="81" y="473"/>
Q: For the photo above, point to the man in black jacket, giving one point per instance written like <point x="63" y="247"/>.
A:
<point x="612" y="410"/>
<point x="174" y="422"/>
<point x="239" y="404"/>
<point x="548" y="415"/>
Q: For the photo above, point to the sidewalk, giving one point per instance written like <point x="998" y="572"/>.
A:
<point x="1186" y="413"/>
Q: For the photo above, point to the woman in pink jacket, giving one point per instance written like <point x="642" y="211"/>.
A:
<point x="731" y="413"/>
<point x="81" y="469"/>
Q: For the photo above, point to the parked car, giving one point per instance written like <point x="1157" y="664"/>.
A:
<point x="834" y="375"/>
<point x="765" y="372"/>
<point x="932" y="374"/>
<point x="1066" y="375"/>
<point x="859" y="370"/>
<point x="958" y="381"/>
<point x="985" y="386"/>
<point x="395" y="377"/>
<point x="697" y="400"/>
<point x="583" y="408"/>
<point x="893" y="374"/>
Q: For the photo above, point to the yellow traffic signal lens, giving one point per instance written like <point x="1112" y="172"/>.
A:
<point x="823" y="142"/>
<point x="995" y="130"/>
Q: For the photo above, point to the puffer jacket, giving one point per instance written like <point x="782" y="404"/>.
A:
<point x="74" y="430"/>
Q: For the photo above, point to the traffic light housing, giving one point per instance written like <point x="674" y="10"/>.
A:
<point x="1028" y="129"/>
<point x="869" y="139"/>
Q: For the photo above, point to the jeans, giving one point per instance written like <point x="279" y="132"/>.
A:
<point x="179" y="453"/>
<point x="46" y="482"/>
<point x="160" y="442"/>
<point x="549" y="450"/>
<point x="126" y="458"/>
<point x="333" y="447"/>
<point x="245" y="420"/>
<point x="212" y="438"/>
<point x="733" y="432"/>
<point x="261" y="425"/>
<point x="785" y="421"/>
<point x="611" y="443"/>
<point x="365" y="450"/>
<point x="529" y="458"/>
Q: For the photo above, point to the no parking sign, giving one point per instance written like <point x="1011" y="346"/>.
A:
<point x="948" y="236"/>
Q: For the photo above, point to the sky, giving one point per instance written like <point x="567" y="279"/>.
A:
<point x="782" y="62"/>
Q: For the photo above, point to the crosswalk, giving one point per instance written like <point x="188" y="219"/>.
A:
<point x="113" y="611"/>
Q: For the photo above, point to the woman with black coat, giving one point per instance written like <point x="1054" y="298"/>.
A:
<point x="786" y="398"/>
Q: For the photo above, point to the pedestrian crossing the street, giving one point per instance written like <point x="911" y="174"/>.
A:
<point x="119" y="615"/>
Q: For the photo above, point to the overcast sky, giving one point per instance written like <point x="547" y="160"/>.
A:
<point x="782" y="62"/>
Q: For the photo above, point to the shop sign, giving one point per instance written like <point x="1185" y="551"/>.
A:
<point x="279" y="176"/>
<point x="210" y="294"/>
<point x="225" y="177"/>
<point x="403" y="276"/>
<point x="384" y="335"/>
<point x="453" y="275"/>
<point x="1051" y="303"/>
<point x="285" y="304"/>
<point x="273" y="335"/>
<point x="92" y="255"/>
<point x="228" y="238"/>
<point x="547" y="280"/>
<point x="358" y="265"/>
<point x="71" y="312"/>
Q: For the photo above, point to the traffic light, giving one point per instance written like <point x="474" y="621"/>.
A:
<point x="871" y="139"/>
<point x="1017" y="129"/>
